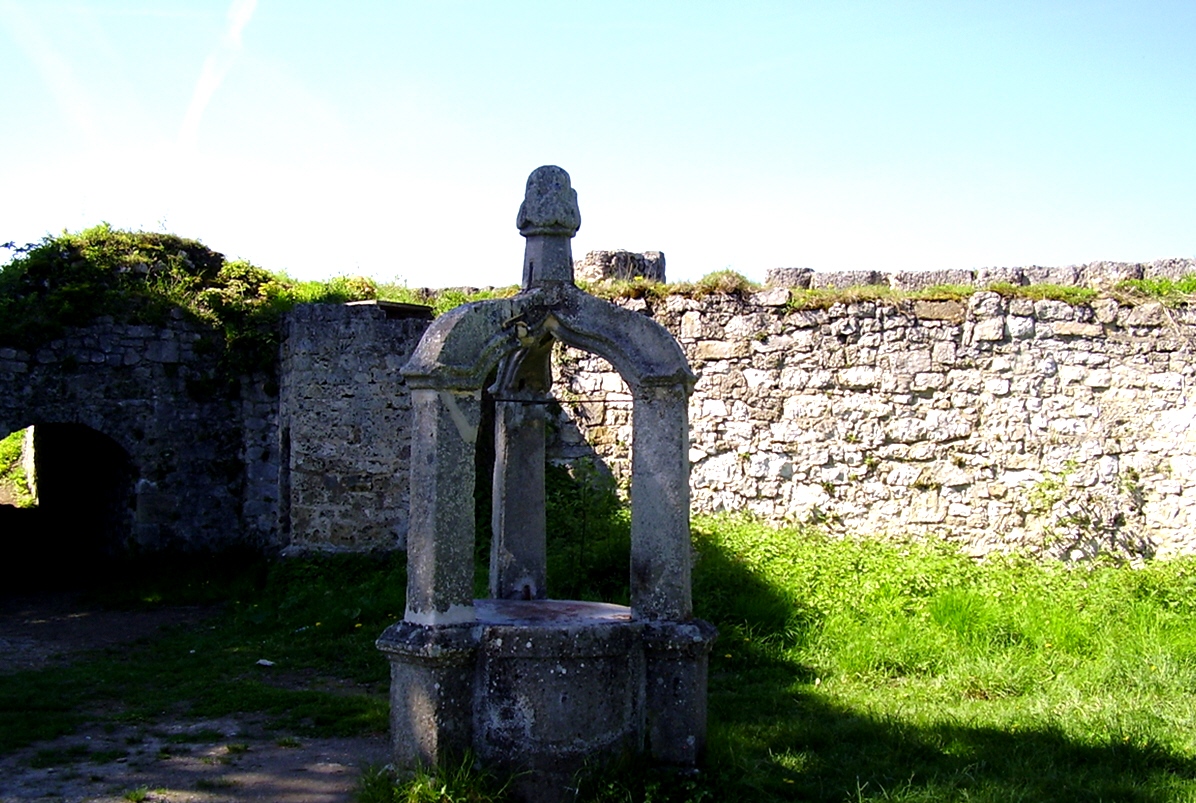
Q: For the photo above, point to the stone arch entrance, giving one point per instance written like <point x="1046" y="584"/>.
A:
<point x="84" y="506"/>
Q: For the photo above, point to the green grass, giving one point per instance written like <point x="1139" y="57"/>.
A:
<point x="71" y="279"/>
<point x="846" y="670"/>
<point x="12" y="472"/>
<point x="1170" y="291"/>
<point x="460" y="781"/>
<point x="858" y="670"/>
<point x="316" y="619"/>
<point x="137" y="795"/>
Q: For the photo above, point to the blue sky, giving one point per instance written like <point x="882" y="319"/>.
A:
<point x="392" y="139"/>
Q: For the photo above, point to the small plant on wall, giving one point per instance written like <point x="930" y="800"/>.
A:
<point x="1090" y="522"/>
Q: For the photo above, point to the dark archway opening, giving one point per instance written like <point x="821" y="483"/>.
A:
<point x="83" y="518"/>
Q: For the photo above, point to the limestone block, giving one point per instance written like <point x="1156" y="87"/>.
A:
<point x="906" y="430"/>
<point x="1065" y="276"/>
<point x="986" y="277"/>
<point x="1020" y="327"/>
<point x="773" y="297"/>
<point x="1151" y="313"/>
<point x="987" y="305"/>
<point x="1169" y="268"/>
<point x="1105" y="310"/>
<point x="1167" y="381"/>
<point x="858" y="378"/>
<point x="742" y="327"/>
<point x="1108" y="274"/>
<point x="920" y="280"/>
<point x="771" y="344"/>
<point x="997" y="386"/>
<point x="841" y="280"/>
<point x="943" y="352"/>
<point x="707" y="350"/>
<point x="989" y="329"/>
<point x="926" y="508"/>
<point x="952" y="311"/>
<point x="1075" y="329"/>
<point x="757" y="378"/>
<point x="1048" y="310"/>
<point x="928" y="381"/>
<point x="788" y="277"/>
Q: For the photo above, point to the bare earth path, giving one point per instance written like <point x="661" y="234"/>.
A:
<point x="212" y="761"/>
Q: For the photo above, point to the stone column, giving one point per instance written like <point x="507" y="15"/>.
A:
<point x="441" y="535"/>
<point x="660" y="544"/>
<point x="517" y="554"/>
<point x="676" y="657"/>
<point x="431" y="691"/>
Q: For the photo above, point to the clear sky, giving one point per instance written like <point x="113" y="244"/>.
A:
<point x="392" y="138"/>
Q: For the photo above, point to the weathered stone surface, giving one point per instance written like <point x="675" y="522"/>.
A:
<point x="920" y="280"/>
<point x="1062" y="276"/>
<point x="550" y="204"/>
<point x="952" y="311"/>
<point x="789" y="277"/>
<point x="1169" y="269"/>
<point x="345" y="425"/>
<point x="1076" y="329"/>
<point x="193" y="458"/>
<point x="1108" y="274"/>
<point x="773" y="297"/>
<point x="597" y="266"/>
<point x="836" y="280"/>
<point x="1019" y="392"/>
<point x="986" y="277"/>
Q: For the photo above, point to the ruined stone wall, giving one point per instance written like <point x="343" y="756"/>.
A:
<point x="199" y="447"/>
<point x="995" y="422"/>
<point x="345" y="418"/>
<point x="992" y="421"/>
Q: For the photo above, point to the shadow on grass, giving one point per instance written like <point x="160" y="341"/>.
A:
<point x="780" y="744"/>
<point x="775" y="735"/>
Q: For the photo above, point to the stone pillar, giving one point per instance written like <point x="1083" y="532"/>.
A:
<point x="517" y="555"/>
<point x="676" y="659"/>
<point x="660" y="546"/>
<point x="431" y="691"/>
<point x="441" y="535"/>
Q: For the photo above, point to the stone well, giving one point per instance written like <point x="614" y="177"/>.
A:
<point x="526" y="683"/>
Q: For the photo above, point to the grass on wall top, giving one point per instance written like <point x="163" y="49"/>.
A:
<point x="73" y="278"/>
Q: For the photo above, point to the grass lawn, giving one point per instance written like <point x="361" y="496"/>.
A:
<point x="846" y="670"/>
<point x="857" y="670"/>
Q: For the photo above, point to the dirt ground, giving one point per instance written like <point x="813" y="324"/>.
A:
<point x="212" y="761"/>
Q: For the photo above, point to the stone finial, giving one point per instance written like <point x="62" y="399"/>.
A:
<point x="549" y="204"/>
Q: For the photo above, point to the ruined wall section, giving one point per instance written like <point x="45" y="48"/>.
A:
<point x="345" y="425"/>
<point x="994" y="422"/>
<point x="156" y="391"/>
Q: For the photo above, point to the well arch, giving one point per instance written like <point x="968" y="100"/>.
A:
<point x="525" y="681"/>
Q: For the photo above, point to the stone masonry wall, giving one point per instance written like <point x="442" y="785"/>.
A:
<point x="200" y="449"/>
<point x="345" y="425"/>
<point x="995" y="422"/>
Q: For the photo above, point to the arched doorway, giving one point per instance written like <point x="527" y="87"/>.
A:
<point x="78" y="511"/>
